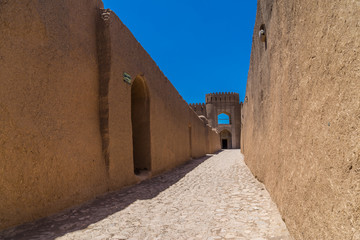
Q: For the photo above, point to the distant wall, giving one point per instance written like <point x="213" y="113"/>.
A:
<point x="199" y="108"/>
<point x="228" y="103"/>
<point x="65" y="111"/>
<point x="301" y="125"/>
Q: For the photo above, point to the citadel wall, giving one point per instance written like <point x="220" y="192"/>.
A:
<point x="301" y="115"/>
<point x="199" y="108"/>
<point x="228" y="103"/>
<point x="66" y="112"/>
<point x="222" y="103"/>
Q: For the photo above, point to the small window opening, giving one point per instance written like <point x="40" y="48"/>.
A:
<point x="223" y="119"/>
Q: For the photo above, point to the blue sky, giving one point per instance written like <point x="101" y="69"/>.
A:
<point x="202" y="46"/>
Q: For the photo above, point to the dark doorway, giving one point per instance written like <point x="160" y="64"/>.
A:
<point x="225" y="139"/>
<point x="140" y="119"/>
<point x="224" y="144"/>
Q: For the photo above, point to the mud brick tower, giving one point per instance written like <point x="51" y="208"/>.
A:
<point x="222" y="111"/>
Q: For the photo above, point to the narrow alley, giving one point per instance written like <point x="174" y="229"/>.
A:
<point x="214" y="197"/>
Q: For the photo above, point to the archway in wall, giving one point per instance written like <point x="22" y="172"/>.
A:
<point x="223" y="118"/>
<point x="140" y="119"/>
<point x="225" y="139"/>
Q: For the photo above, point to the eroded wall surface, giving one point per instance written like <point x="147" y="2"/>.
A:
<point x="301" y="124"/>
<point x="65" y="111"/>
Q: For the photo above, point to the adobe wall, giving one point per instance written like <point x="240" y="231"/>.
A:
<point x="301" y="133"/>
<point x="50" y="154"/>
<point x="65" y="111"/>
<point x="170" y="115"/>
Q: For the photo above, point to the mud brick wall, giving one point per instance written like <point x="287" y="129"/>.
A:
<point x="66" y="125"/>
<point x="301" y="115"/>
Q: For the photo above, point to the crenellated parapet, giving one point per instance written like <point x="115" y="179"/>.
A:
<point x="211" y="112"/>
<point x="197" y="105"/>
<point x="199" y="108"/>
<point x="222" y="97"/>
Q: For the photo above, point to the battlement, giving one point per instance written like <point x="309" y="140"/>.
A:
<point x="199" y="108"/>
<point x="222" y="97"/>
<point x="197" y="105"/>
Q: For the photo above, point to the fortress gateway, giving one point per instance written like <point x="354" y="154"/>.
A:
<point x="222" y="111"/>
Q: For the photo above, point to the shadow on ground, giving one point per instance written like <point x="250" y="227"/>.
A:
<point x="81" y="217"/>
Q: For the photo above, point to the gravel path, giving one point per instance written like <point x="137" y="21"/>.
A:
<point x="215" y="197"/>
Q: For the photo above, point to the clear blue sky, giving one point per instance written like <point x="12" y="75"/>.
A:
<point x="202" y="46"/>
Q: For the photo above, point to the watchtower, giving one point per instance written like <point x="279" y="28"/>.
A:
<point x="223" y="112"/>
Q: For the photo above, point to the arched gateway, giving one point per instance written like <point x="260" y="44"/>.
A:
<point x="222" y="111"/>
<point x="225" y="139"/>
<point x="140" y="119"/>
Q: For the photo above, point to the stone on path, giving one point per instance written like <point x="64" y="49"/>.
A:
<point x="214" y="197"/>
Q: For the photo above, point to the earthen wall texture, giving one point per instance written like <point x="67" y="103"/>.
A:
<point x="65" y="111"/>
<point x="301" y="120"/>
